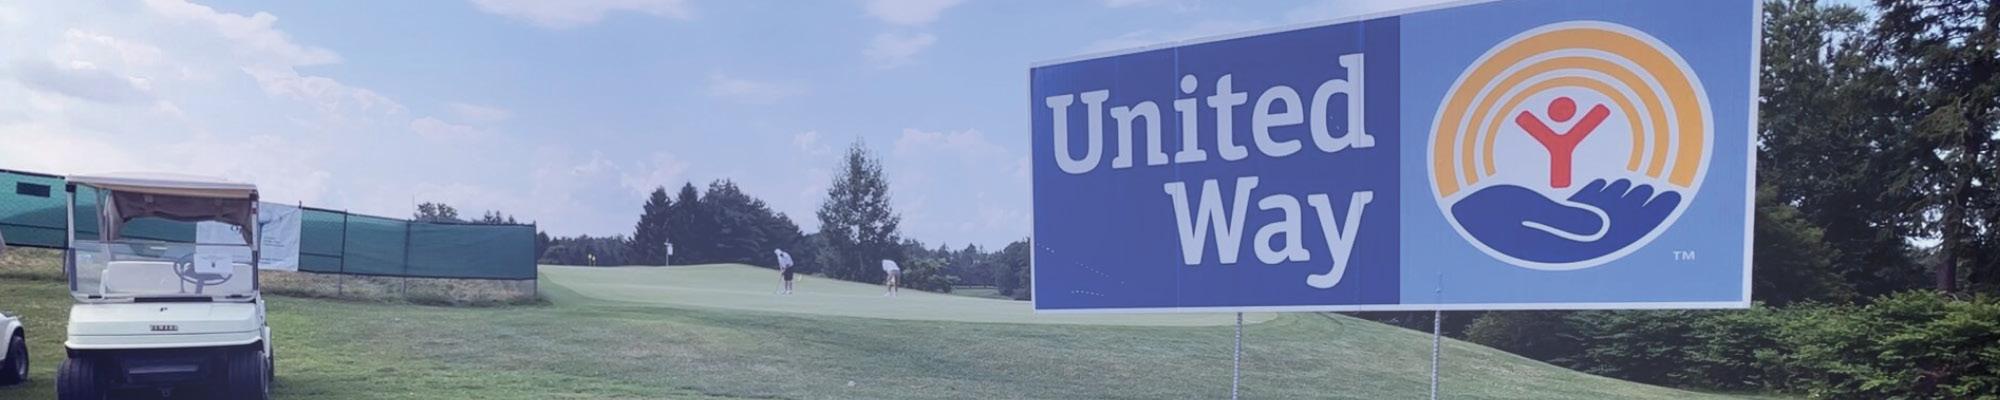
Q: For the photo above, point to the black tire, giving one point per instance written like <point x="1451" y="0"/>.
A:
<point x="15" y="369"/>
<point x="77" y="380"/>
<point x="271" y="367"/>
<point x="247" y="379"/>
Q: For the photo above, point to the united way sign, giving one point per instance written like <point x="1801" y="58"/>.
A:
<point x="1522" y="154"/>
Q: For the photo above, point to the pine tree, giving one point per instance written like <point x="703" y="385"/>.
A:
<point x="856" y="220"/>
<point x="650" y="237"/>
<point x="686" y="228"/>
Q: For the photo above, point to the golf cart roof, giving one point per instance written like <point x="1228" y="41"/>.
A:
<point x="169" y="184"/>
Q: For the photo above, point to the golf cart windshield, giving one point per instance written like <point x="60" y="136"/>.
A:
<point x="149" y="243"/>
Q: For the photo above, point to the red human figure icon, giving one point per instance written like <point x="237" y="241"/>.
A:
<point x="1562" y="148"/>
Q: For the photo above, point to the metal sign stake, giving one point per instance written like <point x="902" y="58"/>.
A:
<point x="1236" y="364"/>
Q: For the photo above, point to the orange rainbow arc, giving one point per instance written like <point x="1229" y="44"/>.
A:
<point x="1673" y="109"/>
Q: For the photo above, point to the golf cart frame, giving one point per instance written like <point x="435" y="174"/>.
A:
<point x="162" y="315"/>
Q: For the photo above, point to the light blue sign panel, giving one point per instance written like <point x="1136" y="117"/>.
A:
<point x="1522" y="154"/>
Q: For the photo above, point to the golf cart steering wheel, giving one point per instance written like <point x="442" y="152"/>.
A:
<point x="184" y="268"/>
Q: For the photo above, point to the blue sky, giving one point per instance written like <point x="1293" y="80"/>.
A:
<point x="566" y="112"/>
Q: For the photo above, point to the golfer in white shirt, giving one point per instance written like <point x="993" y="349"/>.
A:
<point x="894" y="274"/>
<point x="784" y="270"/>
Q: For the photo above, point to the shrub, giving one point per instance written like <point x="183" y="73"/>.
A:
<point x="1541" y="335"/>
<point x="1913" y="345"/>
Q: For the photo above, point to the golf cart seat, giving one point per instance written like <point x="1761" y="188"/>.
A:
<point x="129" y="276"/>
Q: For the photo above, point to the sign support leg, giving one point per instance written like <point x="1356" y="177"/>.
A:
<point x="1236" y="363"/>
<point x="1437" y="324"/>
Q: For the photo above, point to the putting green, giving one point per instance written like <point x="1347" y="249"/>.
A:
<point x="742" y="287"/>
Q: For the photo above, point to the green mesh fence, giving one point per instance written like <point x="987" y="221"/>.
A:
<point x="375" y="246"/>
<point x="31" y="214"/>
<point x="471" y="251"/>
<point x="322" y="240"/>
<point x="31" y="210"/>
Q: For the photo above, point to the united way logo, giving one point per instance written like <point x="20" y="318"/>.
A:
<point x="1570" y="145"/>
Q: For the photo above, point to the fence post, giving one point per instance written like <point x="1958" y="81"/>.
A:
<point x="535" y="282"/>
<point x="406" y="259"/>
<point x="341" y="286"/>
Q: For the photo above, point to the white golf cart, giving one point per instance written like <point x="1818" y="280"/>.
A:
<point x="13" y="343"/>
<point x="14" y="351"/>
<point x="159" y="315"/>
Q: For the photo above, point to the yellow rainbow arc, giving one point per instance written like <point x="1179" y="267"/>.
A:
<point x="1460" y="146"/>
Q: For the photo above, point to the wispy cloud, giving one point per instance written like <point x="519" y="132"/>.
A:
<point x="439" y="130"/>
<point x="809" y="142"/>
<point x="908" y="12"/>
<point x="478" y="114"/>
<point x="891" y="50"/>
<point x="750" y="91"/>
<point x="565" y="14"/>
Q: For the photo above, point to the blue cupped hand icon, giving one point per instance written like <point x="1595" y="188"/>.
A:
<point x="1598" y="219"/>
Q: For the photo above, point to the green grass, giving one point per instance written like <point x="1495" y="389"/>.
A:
<point x="588" y="347"/>
<point x="984" y="292"/>
<point x="736" y="287"/>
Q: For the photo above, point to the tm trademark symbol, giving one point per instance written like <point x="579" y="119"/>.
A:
<point x="1683" y="255"/>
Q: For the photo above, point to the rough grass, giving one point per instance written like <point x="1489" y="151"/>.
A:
<point x="581" y="347"/>
<point x="746" y="288"/>
<point x="429" y="291"/>
<point x="984" y="292"/>
<point x="24" y="263"/>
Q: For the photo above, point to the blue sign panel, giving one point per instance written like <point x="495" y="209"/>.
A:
<point x="1523" y="154"/>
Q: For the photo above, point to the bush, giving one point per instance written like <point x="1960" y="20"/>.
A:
<point x="1914" y="345"/>
<point x="1541" y="335"/>
<point x="926" y="275"/>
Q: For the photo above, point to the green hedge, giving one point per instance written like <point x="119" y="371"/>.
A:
<point x="1915" y="345"/>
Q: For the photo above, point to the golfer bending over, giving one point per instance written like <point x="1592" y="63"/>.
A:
<point x="894" y="272"/>
<point x="784" y="270"/>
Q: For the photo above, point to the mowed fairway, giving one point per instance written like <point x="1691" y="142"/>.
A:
<point x="584" y="347"/>
<point x="738" y="287"/>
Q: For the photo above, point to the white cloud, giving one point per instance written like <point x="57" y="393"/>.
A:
<point x="438" y="130"/>
<point x="86" y="45"/>
<point x="253" y="34"/>
<point x="942" y="163"/>
<point x="890" y="50"/>
<point x="325" y="94"/>
<point x="1126" y="3"/>
<point x="908" y="12"/>
<point x="749" y="91"/>
<point x="478" y="114"/>
<point x="970" y="145"/>
<point x="564" y="14"/>
<point x="1150" y="37"/>
<point x="83" y="81"/>
<point x="809" y="142"/>
<point x="659" y="169"/>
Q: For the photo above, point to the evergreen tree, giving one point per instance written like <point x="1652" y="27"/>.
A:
<point x="856" y="221"/>
<point x="686" y="228"/>
<point x="435" y="212"/>
<point x="1945" y="51"/>
<point x="650" y="237"/>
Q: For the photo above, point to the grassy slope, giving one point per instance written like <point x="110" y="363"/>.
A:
<point x="736" y="287"/>
<point x="586" y="348"/>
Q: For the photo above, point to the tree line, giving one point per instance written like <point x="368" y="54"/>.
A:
<point x="858" y="228"/>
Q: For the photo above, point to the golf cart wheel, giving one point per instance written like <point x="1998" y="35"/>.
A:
<point x="15" y="369"/>
<point x="77" y="380"/>
<point x="247" y="379"/>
